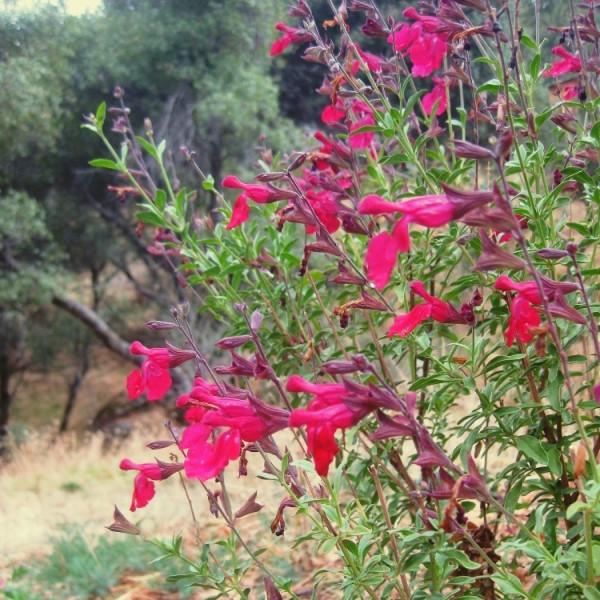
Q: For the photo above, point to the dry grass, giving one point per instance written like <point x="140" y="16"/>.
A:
<point x="76" y="479"/>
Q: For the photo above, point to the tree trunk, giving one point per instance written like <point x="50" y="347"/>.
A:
<point x="5" y="398"/>
<point x="82" y="369"/>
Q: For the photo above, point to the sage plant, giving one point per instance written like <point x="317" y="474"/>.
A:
<point x="410" y="313"/>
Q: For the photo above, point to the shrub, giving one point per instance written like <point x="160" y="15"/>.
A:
<point x="435" y="251"/>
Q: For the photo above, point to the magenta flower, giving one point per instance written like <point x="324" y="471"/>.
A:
<point x="143" y="486"/>
<point x="359" y="140"/>
<point x="425" y="48"/>
<point x="205" y="459"/>
<point x="240" y="211"/>
<point x="437" y="94"/>
<point x="373" y="62"/>
<point x="433" y="308"/>
<point x="151" y="379"/>
<point x="261" y="194"/>
<point x="323" y="417"/>
<point x="243" y="419"/>
<point x="523" y="316"/>
<point x="333" y="113"/>
<point x="291" y="35"/>
<point x="569" y="63"/>
<point x="429" y="211"/>
<point x="153" y="376"/>
<point x="382" y="253"/>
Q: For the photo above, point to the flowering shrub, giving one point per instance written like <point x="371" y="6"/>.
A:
<point x="412" y="297"/>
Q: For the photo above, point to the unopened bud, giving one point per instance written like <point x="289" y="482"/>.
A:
<point x="552" y="253"/>
<point x="468" y="150"/>
<point x="505" y="142"/>
<point x="148" y="127"/>
<point x="228" y="343"/>
<point x="273" y="176"/>
<point x="297" y="161"/>
<point x="240" y="307"/>
<point x="160" y="444"/>
<point x="572" y="248"/>
<point x="158" y="325"/>
<point x="121" y="525"/>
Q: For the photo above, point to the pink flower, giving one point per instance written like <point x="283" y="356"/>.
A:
<point x="261" y="194"/>
<point x="357" y="139"/>
<point x="437" y="94"/>
<point x="333" y="113"/>
<point x="523" y="316"/>
<point x="153" y="376"/>
<point x="149" y="378"/>
<point x="433" y="308"/>
<point x="429" y="211"/>
<point x="240" y="211"/>
<point x="569" y="63"/>
<point x="291" y="35"/>
<point x="569" y="91"/>
<point x="245" y="419"/>
<point x="326" y="209"/>
<point x="323" y="417"/>
<point x="382" y="253"/>
<point x="204" y="459"/>
<point x="143" y="486"/>
<point x="373" y="62"/>
<point x="425" y="48"/>
<point x="527" y="289"/>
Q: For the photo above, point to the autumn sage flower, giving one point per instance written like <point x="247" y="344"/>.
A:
<point x="433" y="308"/>
<point x="153" y="376"/>
<point x="434" y="210"/>
<point x="568" y="63"/>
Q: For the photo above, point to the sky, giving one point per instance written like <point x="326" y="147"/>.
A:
<point x="75" y="7"/>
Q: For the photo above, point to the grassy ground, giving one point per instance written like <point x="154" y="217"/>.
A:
<point x="57" y="496"/>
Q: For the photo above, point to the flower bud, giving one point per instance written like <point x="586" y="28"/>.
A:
<point x="273" y="176"/>
<point x="159" y="325"/>
<point x="121" y="525"/>
<point x="160" y="444"/>
<point x="552" y="253"/>
<point x="297" y="160"/>
<point x="256" y="320"/>
<point x="228" y="343"/>
<point x="464" y="149"/>
<point x="249" y="507"/>
<point x="373" y="28"/>
<point x="505" y="142"/>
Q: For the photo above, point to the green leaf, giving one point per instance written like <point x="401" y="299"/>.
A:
<point x="532" y="448"/>
<point x="208" y="184"/>
<point x="512" y="498"/>
<point x="509" y="584"/>
<point x="104" y="163"/>
<point x="528" y="42"/>
<point x="160" y="199"/>
<point x="148" y="147"/>
<point x="591" y="593"/>
<point x="461" y="558"/>
<point x="534" y="67"/>
<point x="149" y="218"/>
<point x="575" y="508"/>
<point x="100" y="115"/>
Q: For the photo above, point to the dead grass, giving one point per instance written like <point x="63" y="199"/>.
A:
<point x="76" y="480"/>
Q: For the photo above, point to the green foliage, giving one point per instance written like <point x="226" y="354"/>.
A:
<point x="28" y="258"/>
<point x="76" y="568"/>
